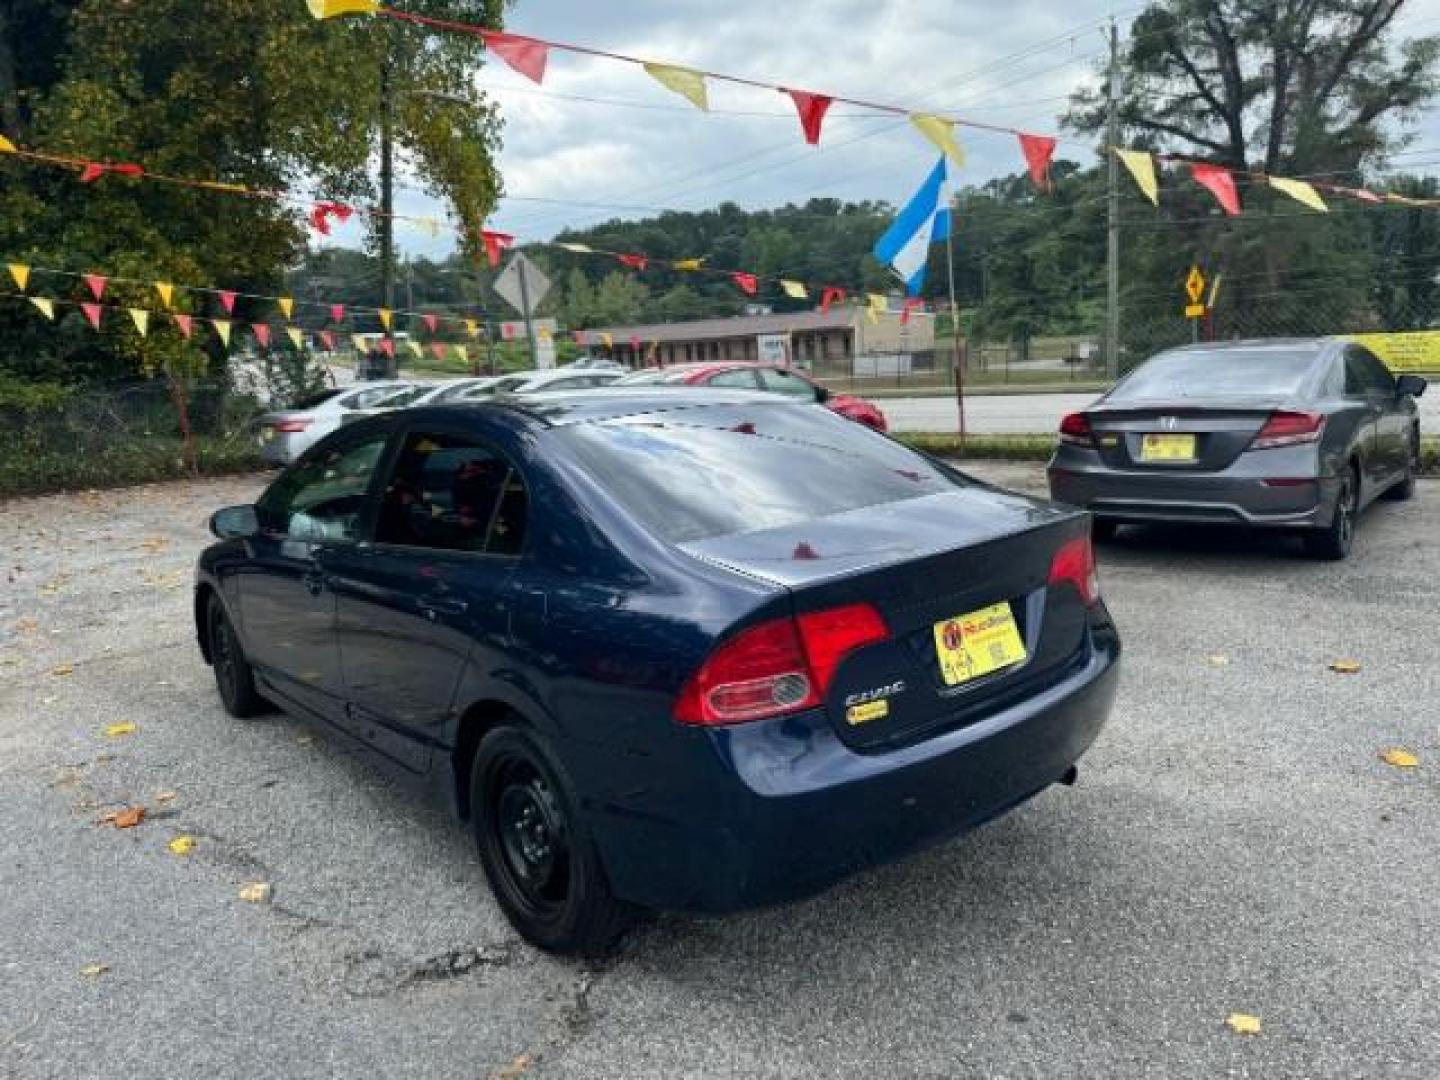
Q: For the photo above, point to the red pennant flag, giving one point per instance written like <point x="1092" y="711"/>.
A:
<point x="262" y="334"/>
<point x="185" y="323"/>
<point x="635" y="262"/>
<point x="437" y="350"/>
<point x="579" y="336"/>
<point x="1220" y="183"/>
<point x="432" y="321"/>
<point x="495" y="243"/>
<point x="912" y="303"/>
<point x="831" y="294"/>
<point x="92" y="312"/>
<point x="337" y="313"/>
<point x="1362" y="195"/>
<point x="525" y="55"/>
<point x="812" y="109"/>
<point x="1038" y="150"/>
<point x="747" y="283"/>
<point x="635" y="341"/>
<point x="329" y="339"/>
<point x="97" y="284"/>
<point x="227" y="301"/>
<point x="322" y="212"/>
<point x="94" y="170"/>
<point x="387" y="346"/>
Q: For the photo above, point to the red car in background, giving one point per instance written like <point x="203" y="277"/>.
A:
<point x="775" y="378"/>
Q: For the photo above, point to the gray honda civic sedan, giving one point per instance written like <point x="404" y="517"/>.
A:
<point x="1297" y="434"/>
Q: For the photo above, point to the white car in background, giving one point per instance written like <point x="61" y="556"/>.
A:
<point x="533" y="382"/>
<point x="286" y="434"/>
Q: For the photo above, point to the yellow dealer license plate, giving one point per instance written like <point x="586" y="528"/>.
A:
<point x="1156" y="447"/>
<point x="973" y="645"/>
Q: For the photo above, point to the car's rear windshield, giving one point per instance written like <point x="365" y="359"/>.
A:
<point x="318" y="398"/>
<point x="695" y="473"/>
<point x="1231" y="373"/>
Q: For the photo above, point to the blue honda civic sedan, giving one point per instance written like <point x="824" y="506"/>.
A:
<point x="694" y="651"/>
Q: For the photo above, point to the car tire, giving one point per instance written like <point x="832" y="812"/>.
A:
<point x="1405" y="487"/>
<point x="1103" y="531"/>
<point x="1333" y="542"/>
<point x="234" y="677"/>
<point x="536" y="850"/>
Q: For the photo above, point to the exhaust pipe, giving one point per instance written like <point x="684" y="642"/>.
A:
<point x="1070" y="776"/>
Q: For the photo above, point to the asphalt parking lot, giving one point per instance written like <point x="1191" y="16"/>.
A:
<point x="1235" y="845"/>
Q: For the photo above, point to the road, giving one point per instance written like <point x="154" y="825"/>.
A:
<point x="1007" y="413"/>
<point x="1234" y="845"/>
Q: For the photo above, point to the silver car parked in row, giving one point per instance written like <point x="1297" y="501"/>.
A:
<point x="286" y="434"/>
<point x="1299" y="434"/>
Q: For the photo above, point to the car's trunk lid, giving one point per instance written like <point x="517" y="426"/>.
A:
<point x="1189" y="436"/>
<point x="923" y="563"/>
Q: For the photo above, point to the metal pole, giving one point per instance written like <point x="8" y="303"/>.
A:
<point x="955" y="323"/>
<point x="1112" y="246"/>
<point x="387" y="185"/>
<point x="525" y="305"/>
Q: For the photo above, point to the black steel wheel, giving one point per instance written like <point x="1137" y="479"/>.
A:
<point x="234" y="677"/>
<point x="1334" y="541"/>
<point x="536" y="850"/>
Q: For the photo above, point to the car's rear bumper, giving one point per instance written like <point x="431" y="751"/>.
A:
<point x="794" y="810"/>
<point x="1288" y="502"/>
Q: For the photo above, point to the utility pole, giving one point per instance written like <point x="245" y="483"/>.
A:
<point x="387" y="185"/>
<point x="956" y="357"/>
<point x="1112" y="246"/>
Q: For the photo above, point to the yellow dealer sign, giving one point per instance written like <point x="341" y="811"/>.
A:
<point x="1417" y="351"/>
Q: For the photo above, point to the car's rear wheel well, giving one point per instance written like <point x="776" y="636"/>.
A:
<point x="203" y="595"/>
<point x="478" y="721"/>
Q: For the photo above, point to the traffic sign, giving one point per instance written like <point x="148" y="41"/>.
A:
<point x="1195" y="285"/>
<point x="516" y="292"/>
<point x="1194" y="311"/>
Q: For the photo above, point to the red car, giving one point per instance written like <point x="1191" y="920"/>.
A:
<point x="771" y="377"/>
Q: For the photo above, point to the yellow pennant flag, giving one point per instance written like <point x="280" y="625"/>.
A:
<point x="297" y="337"/>
<point x="222" y="327"/>
<point x="385" y="316"/>
<point x="141" y="318"/>
<point x="287" y="306"/>
<point x="544" y="333"/>
<point x="794" y="289"/>
<point x="1301" y="192"/>
<point x="46" y="307"/>
<point x="416" y="347"/>
<point x="688" y="264"/>
<point x="21" y="273"/>
<point x="6" y="146"/>
<point x="1142" y="168"/>
<point x="579" y="249"/>
<point x="941" y="132"/>
<point x="166" y="291"/>
<point x="875" y="305"/>
<point x="431" y="225"/>
<point x="328" y="9"/>
<point x="358" y="340"/>
<point x="462" y="352"/>
<point x="608" y="340"/>
<point x="472" y="328"/>
<point x="688" y="84"/>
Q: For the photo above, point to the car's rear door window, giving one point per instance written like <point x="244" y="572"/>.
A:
<point x="452" y="493"/>
<point x="780" y="381"/>
<point x="695" y="473"/>
<point x="738" y="379"/>
<point x="1227" y="373"/>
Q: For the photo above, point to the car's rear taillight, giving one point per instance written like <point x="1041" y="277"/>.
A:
<point x="777" y="667"/>
<point x="1289" y="429"/>
<point x="1075" y="429"/>
<point x="1074" y="564"/>
<point x="291" y="426"/>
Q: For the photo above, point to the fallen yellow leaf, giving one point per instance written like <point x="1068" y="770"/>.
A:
<point x="124" y="819"/>
<point x="165" y="796"/>
<point x="122" y="727"/>
<point x="181" y="845"/>
<point x="63" y="669"/>
<point x="516" y="1068"/>
<point x="90" y="971"/>
<point x="1401" y="759"/>
<point x="1244" y="1023"/>
<point x="256" y="892"/>
<point x="1345" y="667"/>
<point x="1218" y="661"/>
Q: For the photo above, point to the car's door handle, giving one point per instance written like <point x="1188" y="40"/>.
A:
<point x="442" y="605"/>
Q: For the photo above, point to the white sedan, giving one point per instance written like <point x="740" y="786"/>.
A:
<point x="286" y="434"/>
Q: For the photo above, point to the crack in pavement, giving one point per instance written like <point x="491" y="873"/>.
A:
<point x="371" y="974"/>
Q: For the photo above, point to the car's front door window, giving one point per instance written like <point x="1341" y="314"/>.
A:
<point x="323" y="497"/>
<point x="739" y="379"/>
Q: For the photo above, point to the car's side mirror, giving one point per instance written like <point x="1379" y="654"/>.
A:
<point x="234" y="522"/>
<point x="1410" y="386"/>
<point x="822" y="394"/>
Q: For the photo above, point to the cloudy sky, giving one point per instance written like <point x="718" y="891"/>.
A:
<point x="601" y="139"/>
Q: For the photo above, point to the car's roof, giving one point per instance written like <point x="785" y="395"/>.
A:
<point x="1288" y="346"/>
<point x="564" y="407"/>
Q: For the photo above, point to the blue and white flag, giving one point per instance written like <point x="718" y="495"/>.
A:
<point x="925" y="219"/>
